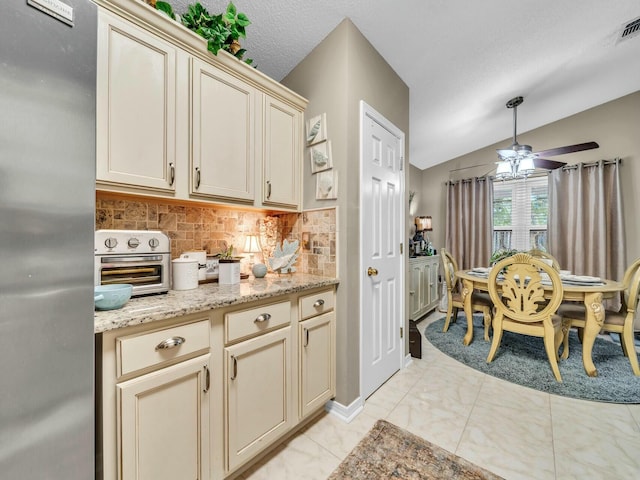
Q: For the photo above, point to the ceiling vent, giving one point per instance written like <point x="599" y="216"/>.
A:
<point x="629" y="30"/>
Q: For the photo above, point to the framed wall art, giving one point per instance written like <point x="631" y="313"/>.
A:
<point x="320" y="154"/>
<point x="327" y="185"/>
<point x="317" y="129"/>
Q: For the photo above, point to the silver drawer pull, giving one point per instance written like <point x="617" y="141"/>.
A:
<point x="170" y="343"/>
<point x="318" y="303"/>
<point x="234" y="372"/>
<point x="263" y="317"/>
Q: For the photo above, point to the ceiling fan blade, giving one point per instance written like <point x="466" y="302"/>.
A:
<point x="548" y="164"/>
<point x="568" y="149"/>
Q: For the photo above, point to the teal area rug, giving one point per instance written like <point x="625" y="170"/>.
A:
<point x="521" y="359"/>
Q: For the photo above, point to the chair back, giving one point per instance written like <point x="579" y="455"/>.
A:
<point x="534" y="252"/>
<point x="450" y="267"/>
<point x="632" y="289"/>
<point x="516" y="288"/>
<point x="626" y="281"/>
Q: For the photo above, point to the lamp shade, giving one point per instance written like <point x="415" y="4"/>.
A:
<point x="251" y="244"/>
<point x="423" y="223"/>
<point x="526" y="166"/>
<point x="504" y="170"/>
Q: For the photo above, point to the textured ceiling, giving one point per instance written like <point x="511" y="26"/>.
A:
<point x="463" y="59"/>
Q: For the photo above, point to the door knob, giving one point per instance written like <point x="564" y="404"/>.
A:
<point x="372" y="271"/>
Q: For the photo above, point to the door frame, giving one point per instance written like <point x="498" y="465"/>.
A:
<point x="368" y="112"/>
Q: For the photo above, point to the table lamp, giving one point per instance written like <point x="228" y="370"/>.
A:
<point x="251" y="246"/>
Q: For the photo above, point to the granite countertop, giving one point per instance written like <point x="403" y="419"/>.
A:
<point x="206" y="297"/>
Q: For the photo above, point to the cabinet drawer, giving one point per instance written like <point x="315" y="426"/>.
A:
<point x="135" y="352"/>
<point x="316" y="303"/>
<point x="246" y="323"/>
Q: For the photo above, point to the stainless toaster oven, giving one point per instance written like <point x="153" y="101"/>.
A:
<point x="139" y="257"/>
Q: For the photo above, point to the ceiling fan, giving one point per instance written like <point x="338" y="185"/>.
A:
<point x="517" y="154"/>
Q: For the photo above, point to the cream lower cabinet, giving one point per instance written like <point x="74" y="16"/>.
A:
<point x="202" y="395"/>
<point x="423" y="285"/>
<point x="258" y="381"/>
<point x="154" y="402"/>
<point x="136" y="106"/>
<point x="163" y="416"/>
<point x="317" y="344"/>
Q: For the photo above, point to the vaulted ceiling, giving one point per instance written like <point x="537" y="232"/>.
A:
<point x="464" y="59"/>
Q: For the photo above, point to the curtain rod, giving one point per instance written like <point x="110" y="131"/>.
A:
<point x="592" y="164"/>
<point x="467" y="180"/>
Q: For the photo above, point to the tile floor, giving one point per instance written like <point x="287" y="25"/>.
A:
<point x="513" y="431"/>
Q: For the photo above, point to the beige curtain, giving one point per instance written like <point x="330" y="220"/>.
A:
<point x="469" y="221"/>
<point x="586" y="223"/>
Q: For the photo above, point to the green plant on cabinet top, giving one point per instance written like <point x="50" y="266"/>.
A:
<point x="222" y="31"/>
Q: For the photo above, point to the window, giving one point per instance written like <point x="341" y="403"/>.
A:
<point x="520" y="209"/>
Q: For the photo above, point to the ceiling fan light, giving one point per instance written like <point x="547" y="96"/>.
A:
<point x="526" y="166"/>
<point x="506" y="154"/>
<point x="504" y="170"/>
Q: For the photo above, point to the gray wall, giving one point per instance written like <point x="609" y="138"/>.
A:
<point x="342" y="70"/>
<point x="614" y="125"/>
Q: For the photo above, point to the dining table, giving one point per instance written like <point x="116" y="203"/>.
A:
<point x="590" y="293"/>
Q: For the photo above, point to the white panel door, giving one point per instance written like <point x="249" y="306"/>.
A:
<point x="381" y="232"/>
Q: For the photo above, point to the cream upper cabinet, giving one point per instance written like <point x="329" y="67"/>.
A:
<point x="223" y="134"/>
<point x="175" y="121"/>
<point x="282" y="153"/>
<point x="136" y="106"/>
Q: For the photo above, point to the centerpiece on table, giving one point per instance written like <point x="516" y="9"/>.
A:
<point x="501" y="254"/>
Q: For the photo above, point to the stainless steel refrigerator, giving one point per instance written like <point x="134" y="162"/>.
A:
<point x="47" y="181"/>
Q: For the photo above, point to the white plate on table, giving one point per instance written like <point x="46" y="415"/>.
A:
<point x="582" y="279"/>
<point x="481" y="269"/>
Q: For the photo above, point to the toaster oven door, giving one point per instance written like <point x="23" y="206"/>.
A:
<point x="147" y="273"/>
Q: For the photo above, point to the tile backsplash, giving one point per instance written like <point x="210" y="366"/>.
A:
<point x="214" y="228"/>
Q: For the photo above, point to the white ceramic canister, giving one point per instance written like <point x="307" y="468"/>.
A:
<point x="185" y="273"/>
<point x="201" y="257"/>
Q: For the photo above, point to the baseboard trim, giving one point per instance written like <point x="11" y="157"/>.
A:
<point x="345" y="413"/>
<point x="408" y="359"/>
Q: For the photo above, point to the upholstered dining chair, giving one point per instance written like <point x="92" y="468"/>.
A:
<point x="521" y="306"/>
<point x="479" y="302"/>
<point x="534" y="252"/>
<point x="621" y="322"/>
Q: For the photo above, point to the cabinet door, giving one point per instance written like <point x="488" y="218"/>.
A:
<point x="164" y="423"/>
<point x="258" y="394"/>
<point x="317" y="365"/>
<point x="282" y="156"/>
<point x="136" y="106"/>
<point x="426" y="287"/>
<point x="222" y="119"/>
<point x="433" y="283"/>
<point x="414" y="290"/>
